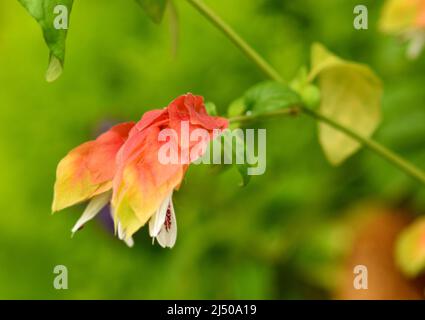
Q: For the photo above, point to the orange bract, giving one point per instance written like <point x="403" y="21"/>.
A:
<point x="125" y="158"/>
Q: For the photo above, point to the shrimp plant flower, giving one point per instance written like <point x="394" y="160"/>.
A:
<point x="122" y="168"/>
<point x="405" y="18"/>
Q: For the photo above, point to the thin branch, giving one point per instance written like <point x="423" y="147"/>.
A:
<point x="237" y="40"/>
<point x="291" y="111"/>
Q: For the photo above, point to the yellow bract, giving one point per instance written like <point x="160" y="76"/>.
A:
<point x="74" y="185"/>
<point x="410" y="249"/>
<point x="397" y="15"/>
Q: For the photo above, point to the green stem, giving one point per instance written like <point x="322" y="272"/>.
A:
<point x="236" y="39"/>
<point x="379" y="149"/>
<point x="387" y="154"/>
<point x="291" y="111"/>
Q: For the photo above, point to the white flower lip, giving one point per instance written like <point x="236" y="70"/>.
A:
<point x="163" y="224"/>
<point x="93" y="208"/>
<point x="96" y="204"/>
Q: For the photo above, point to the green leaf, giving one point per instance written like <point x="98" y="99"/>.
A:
<point x="236" y="108"/>
<point x="242" y="169"/>
<point x="269" y="96"/>
<point x="228" y="150"/>
<point x="43" y="11"/>
<point x="237" y="144"/>
<point x="264" y="97"/>
<point x="241" y="147"/>
<point x="410" y="249"/>
<point x="154" y="8"/>
<point x="351" y="95"/>
<point x="211" y="108"/>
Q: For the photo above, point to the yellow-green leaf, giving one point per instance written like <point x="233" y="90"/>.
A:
<point x="410" y="249"/>
<point x="350" y="95"/>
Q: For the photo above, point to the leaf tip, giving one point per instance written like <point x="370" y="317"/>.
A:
<point x="54" y="70"/>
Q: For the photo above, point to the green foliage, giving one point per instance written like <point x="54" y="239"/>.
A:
<point x="154" y="8"/>
<point x="270" y="96"/>
<point x="264" y="97"/>
<point x="236" y="108"/>
<point x="234" y="141"/>
<point x="239" y="151"/>
<point x="410" y="249"/>
<point x="351" y="95"/>
<point x="44" y="12"/>
<point x="211" y="108"/>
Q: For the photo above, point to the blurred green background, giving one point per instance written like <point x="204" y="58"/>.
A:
<point x="285" y="235"/>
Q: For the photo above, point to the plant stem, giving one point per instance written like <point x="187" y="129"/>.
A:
<point x="368" y="143"/>
<point x="387" y="154"/>
<point x="379" y="149"/>
<point x="291" y="111"/>
<point x="237" y="40"/>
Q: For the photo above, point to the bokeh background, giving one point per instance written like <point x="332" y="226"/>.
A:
<point x="293" y="233"/>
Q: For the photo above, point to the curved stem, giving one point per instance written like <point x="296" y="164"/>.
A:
<point x="392" y="157"/>
<point x="236" y="39"/>
<point x="368" y="143"/>
<point x="379" y="149"/>
<point x="291" y="111"/>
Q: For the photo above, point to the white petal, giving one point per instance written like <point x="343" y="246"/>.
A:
<point x="122" y="236"/>
<point x="158" y="219"/>
<point x="121" y="233"/>
<point x="129" y="242"/>
<point x="167" y="238"/>
<point x="415" y="47"/>
<point x="93" y="208"/>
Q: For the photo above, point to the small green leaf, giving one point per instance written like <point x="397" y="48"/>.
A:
<point x="264" y="97"/>
<point x="211" y="108"/>
<point x="236" y="108"/>
<point x="228" y="150"/>
<point x="54" y="70"/>
<point x="410" y="249"/>
<point x="242" y="169"/>
<point x="53" y="18"/>
<point x="351" y="95"/>
<point x="154" y="8"/>
<point x="240" y="146"/>
<point x="269" y="96"/>
<point x="239" y="152"/>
